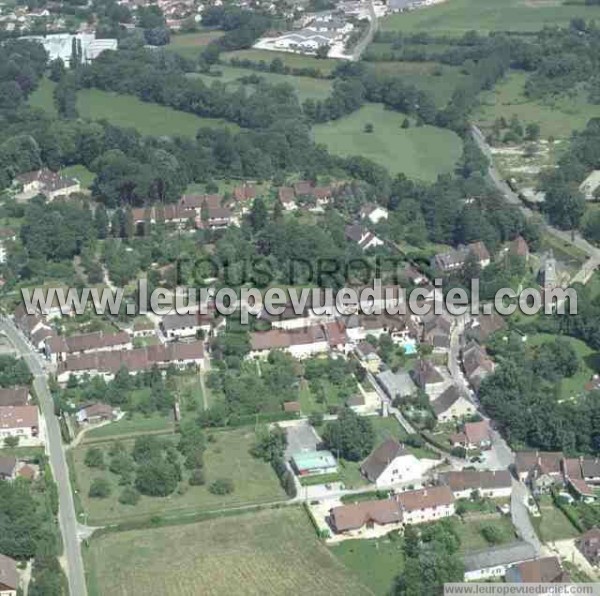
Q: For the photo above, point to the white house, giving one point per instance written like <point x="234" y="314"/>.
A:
<point x="391" y="463"/>
<point x="452" y="405"/>
<point x="374" y="213"/>
<point x="300" y="343"/>
<point x="21" y="422"/>
<point x="494" y="484"/>
<point x="426" y="505"/>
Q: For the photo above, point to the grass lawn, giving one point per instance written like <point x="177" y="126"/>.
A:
<point x="553" y="523"/>
<point x="377" y="562"/>
<point x="455" y="17"/>
<point x="137" y="424"/>
<point x="305" y="86"/>
<point x="472" y="539"/>
<point x="226" y="457"/>
<point x="350" y="476"/>
<point x="557" y="118"/>
<point x="189" y="45"/>
<point x="270" y="552"/>
<point x="419" y="152"/>
<point x="81" y="173"/>
<point x="21" y="452"/>
<point x="326" y="66"/>
<point x="420" y="74"/>
<point x="390" y="427"/>
<point x="147" y="118"/>
<point x="42" y="97"/>
<point x="590" y="363"/>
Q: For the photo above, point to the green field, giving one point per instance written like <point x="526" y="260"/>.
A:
<point x="553" y="523"/>
<point x="455" y="17"/>
<point x="377" y="562"/>
<point x="305" y="86"/>
<point x="272" y="552"/>
<point x="189" y="45"/>
<point x="557" y="118"/>
<point x="289" y="59"/>
<point x="42" y="97"/>
<point x="226" y="457"/>
<point x="419" y="152"/>
<point x="147" y="118"/>
<point x="438" y="80"/>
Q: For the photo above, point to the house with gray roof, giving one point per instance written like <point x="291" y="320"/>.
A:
<point x="492" y="563"/>
<point x="396" y="384"/>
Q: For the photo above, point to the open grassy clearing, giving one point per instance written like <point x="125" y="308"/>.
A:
<point x="134" y="424"/>
<point x="81" y="173"/>
<point x="147" y="118"/>
<point x="306" y="87"/>
<point x="326" y="65"/>
<point x="227" y="456"/>
<point x="557" y="119"/>
<point x="470" y="531"/>
<point x="553" y="523"/>
<point x="589" y="363"/>
<point x="42" y="97"/>
<point x="438" y="80"/>
<point x="419" y="152"/>
<point x="377" y="562"/>
<point x="386" y="428"/>
<point x="455" y="17"/>
<point x="189" y="45"/>
<point x="270" y="552"/>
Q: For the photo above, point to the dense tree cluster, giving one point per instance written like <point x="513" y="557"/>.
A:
<point x="14" y="371"/>
<point x="350" y="436"/>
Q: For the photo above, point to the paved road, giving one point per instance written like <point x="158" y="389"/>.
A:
<point x="520" y="515"/>
<point x="361" y="46"/>
<point x="573" y="238"/>
<point x="66" y="513"/>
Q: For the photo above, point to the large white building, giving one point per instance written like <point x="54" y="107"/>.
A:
<point x="60" y="45"/>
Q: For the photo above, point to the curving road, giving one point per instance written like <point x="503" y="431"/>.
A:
<point x="66" y="512"/>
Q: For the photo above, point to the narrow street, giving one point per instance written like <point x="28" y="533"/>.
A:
<point x="66" y="512"/>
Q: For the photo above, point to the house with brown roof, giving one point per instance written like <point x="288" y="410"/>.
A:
<point x="95" y="413"/>
<point x="546" y="570"/>
<point x="337" y="338"/>
<point x="483" y="326"/>
<point x="519" y="247"/>
<point x="176" y="326"/>
<point x="292" y="407"/>
<point x="436" y="331"/>
<point x="455" y="259"/>
<point x="245" y="193"/>
<point x="476" y="364"/>
<point x="57" y="348"/>
<point x="48" y="183"/>
<point x="287" y="198"/>
<point x="429" y="378"/>
<point x="300" y="343"/>
<point x="143" y="327"/>
<point x="426" y="504"/>
<point x="9" y="576"/>
<point x="381" y="516"/>
<point x="540" y="469"/>
<point x="582" y="490"/>
<point x="391" y="463"/>
<point x="452" y="405"/>
<point x="478" y="435"/>
<point x="493" y="484"/>
<point x="14" y="396"/>
<point x="368" y="356"/>
<point x="21" y="422"/>
<point x="589" y="545"/>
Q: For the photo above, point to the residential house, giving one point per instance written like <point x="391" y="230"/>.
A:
<point x="483" y="326"/>
<point x="437" y="331"/>
<point x="493" y="563"/>
<point x="143" y="328"/>
<point x="476" y="364"/>
<point x="545" y="570"/>
<point x="519" y="247"/>
<point x="591" y="470"/>
<point x="9" y="576"/>
<point x="57" y="348"/>
<point x="300" y="343"/>
<point x="95" y="413"/>
<point x="478" y="435"/>
<point x="21" y="422"/>
<point x="426" y="504"/>
<point x="539" y="469"/>
<point x="292" y="407"/>
<point x="396" y="384"/>
<point x="244" y="194"/>
<point x="287" y="198"/>
<point x="391" y="463"/>
<point x="362" y="236"/>
<point x="383" y="515"/>
<point x="452" y="405"/>
<point x="589" y="545"/>
<point x="368" y="356"/>
<point x="176" y="326"/>
<point x="337" y="338"/>
<point x="48" y="183"/>
<point x="429" y="378"/>
<point x="6" y="236"/>
<point x="8" y="468"/>
<point x="583" y="491"/>
<point x="14" y="396"/>
<point x="311" y="463"/>
<point x="373" y="212"/>
<point x="493" y="484"/>
<point x="455" y="259"/>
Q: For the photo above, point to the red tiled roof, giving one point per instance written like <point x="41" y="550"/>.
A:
<point x="18" y="417"/>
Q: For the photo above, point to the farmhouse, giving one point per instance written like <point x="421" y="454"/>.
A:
<point x="176" y="326"/>
<point x="452" y="405"/>
<point x="390" y="463"/>
<point x="477" y="435"/>
<point x="287" y="198"/>
<point x="21" y="422"/>
<point x="589" y="545"/>
<point x="9" y="576"/>
<point x="539" y="469"/>
<point x="309" y="463"/>
<point x="48" y="183"/>
<point x="436" y="331"/>
<point x="492" y="563"/>
<point x="488" y="483"/>
<point x="582" y="490"/>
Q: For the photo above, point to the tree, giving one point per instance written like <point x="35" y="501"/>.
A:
<point x="129" y="496"/>
<point x="270" y="444"/>
<point x="322" y="52"/>
<point x="532" y="131"/>
<point x="157" y="478"/>
<point x="492" y="534"/>
<point x="350" y="436"/>
<point x="11" y="442"/>
<point x="405" y="123"/>
<point x="197" y="478"/>
<point x="221" y="486"/>
<point x="94" y="458"/>
<point x="369" y="128"/>
<point x="99" y="488"/>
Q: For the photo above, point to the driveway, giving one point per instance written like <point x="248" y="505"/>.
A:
<point x="567" y="550"/>
<point x="520" y="515"/>
<point x="301" y="437"/>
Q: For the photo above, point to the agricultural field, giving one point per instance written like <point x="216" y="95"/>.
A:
<point x="269" y="552"/>
<point x="326" y="65"/>
<point x="189" y="45"/>
<point x="437" y="79"/>
<point x="226" y="456"/>
<point x="147" y="118"/>
<point x="456" y="17"/>
<point x="419" y="152"/>
<point x="570" y="387"/>
<point x="42" y="97"/>
<point x="557" y="119"/>
<point x="377" y="562"/>
<point x="306" y="87"/>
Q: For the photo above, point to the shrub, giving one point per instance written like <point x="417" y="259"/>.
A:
<point x="492" y="534"/>
<point x="11" y="442"/>
<point x="156" y="478"/>
<point x="94" y="458"/>
<point x="129" y="496"/>
<point x="197" y="478"/>
<point x="99" y="489"/>
<point x="221" y="486"/>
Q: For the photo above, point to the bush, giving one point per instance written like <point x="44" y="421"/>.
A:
<point x="492" y="534"/>
<point x="221" y="486"/>
<point x="11" y="442"/>
<point x="99" y="489"/>
<point x="129" y="496"/>
<point x="157" y="478"/>
<point x="94" y="458"/>
<point x="197" y="478"/>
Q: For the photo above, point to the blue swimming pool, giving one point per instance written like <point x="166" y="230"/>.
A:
<point x="410" y="347"/>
